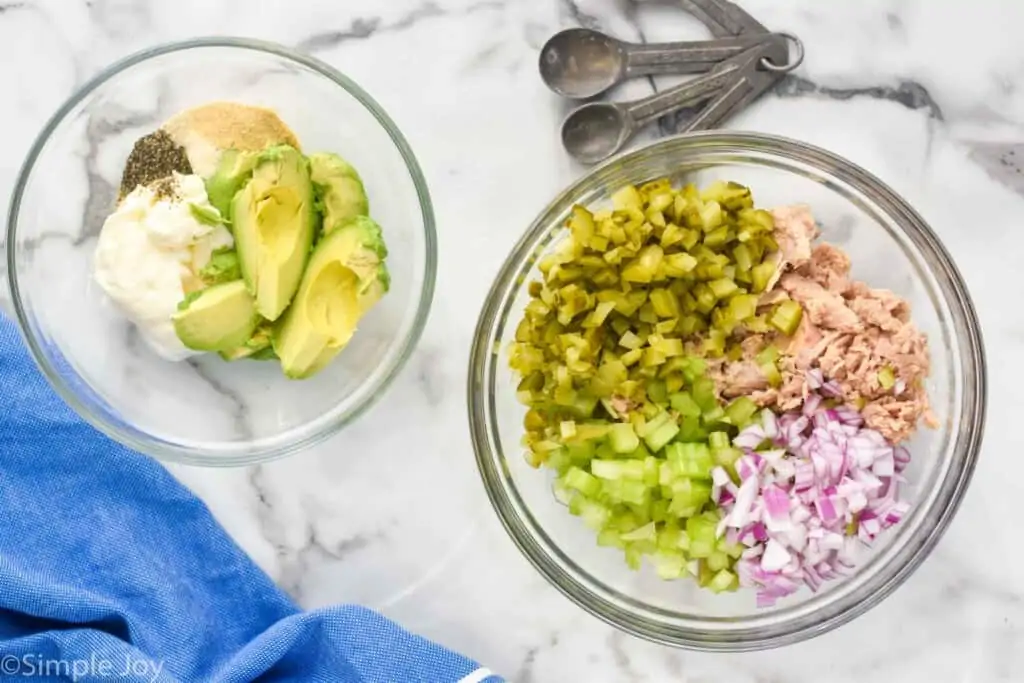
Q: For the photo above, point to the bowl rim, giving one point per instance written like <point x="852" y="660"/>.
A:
<point x="243" y="453"/>
<point x="588" y="593"/>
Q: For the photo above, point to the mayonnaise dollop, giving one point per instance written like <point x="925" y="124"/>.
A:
<point x="149" y="255"/>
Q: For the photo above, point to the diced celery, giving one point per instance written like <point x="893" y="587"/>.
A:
<point x="772" y="374"/>
<point x="623" y="438"/>
<point x="657" y="422"/>
<point x="723" y="581"/>
<point x="610" y="538"/>
<point x="694" y="460"/>
<point x="647" y="532"/>
<point x="786" y="317"/>
<point x="630" y="340"/>
<point x="691" y="493"/>
<point x="657" y="439"/>
<point x="631" y="357"/>
<point x="718" y="237"/>
<point x="594" y="514"/>
<point x="617" y="469"/>
<point x="659" y="510"/>
<point x="684" y="404"/>
<point x="677" y="265"/>
<point x="668" y="536"/>
<point x="669" y="565"/>
<point x="714" y="343"/>
<point x="718" y="440"/>
<point x="690" y="430"/>
<point x="733" y="550"/>
<point x="703" y="392"/>
<point x="768" y="354"/>
<point x="633" y="556"/>
<point x="718" y="561"/>
<point x="581" y="481"/>
<point x="705" y="298"/>
<point x="740" y="411"/>
<point x="567" y="429"/>
<point x="761" y="274"/>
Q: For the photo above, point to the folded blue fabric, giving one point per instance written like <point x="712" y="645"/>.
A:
<point x="110" y="570"/>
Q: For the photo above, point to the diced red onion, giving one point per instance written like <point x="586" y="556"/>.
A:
<point x="795" y="504"/>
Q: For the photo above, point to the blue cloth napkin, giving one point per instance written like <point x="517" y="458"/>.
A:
<point x="110" y="570"/>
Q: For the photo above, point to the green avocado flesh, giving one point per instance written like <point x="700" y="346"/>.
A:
<point x="339" y="190"/>
<point x="233" y="170"/>
<point x="273" y="219"/>
<point x="218" y="318"/>
<point x="345" y="277"/>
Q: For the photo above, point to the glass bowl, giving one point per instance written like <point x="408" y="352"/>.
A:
<point x="890" y="246"/>
<point x="206" y="411"/>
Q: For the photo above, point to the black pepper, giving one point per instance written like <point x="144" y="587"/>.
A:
<point x="154" y="156"/>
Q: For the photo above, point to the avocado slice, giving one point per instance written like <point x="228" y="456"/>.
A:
<point x="234" y="169"/>
<point x="346" y="276"/>
<point x="256" y="347"/>
<point x="216" y="318"/>
<point x="339" y="190"/>
<point x="273" y="219"/>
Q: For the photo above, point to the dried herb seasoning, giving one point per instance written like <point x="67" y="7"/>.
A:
<point x="154" y="156"/>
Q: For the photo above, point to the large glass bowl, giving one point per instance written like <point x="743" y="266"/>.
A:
<point x="890" y="246"/>
<point x="206" y="411"/>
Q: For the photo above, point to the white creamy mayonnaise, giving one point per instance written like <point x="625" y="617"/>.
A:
<point x="149" y="250"/>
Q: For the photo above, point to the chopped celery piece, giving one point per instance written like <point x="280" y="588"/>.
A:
<point x="718" y="561"/>
<point x="886" y="378"/>
<point x="659" y="421"/>
<point x="681" y="263"/>
<point x="691" y="493"/>
<point x="740" y="411"/>
<point x="718" y="440"/>
<point x="786" y="317"/>
<point x="610" y="538"/>
<point x="648" y="532"/>
<point x="633" y="556"/>
<point x="693" y="460"/>
<point x="772" y="374"/>
<point x="581" y="481"/>
<point x="768" y="354"/>
<point x="657" y="439"/>
<point x="690" y="430"/>
<point x="717" y="237"/>
<point x="594" y="514"/>
<point x="614" y="470"/>
<point x="723" y="581"/>
<point x="623" y="438"/>
<point x="684" y="404"/>
<point x="703" y="392"/>
<point x="715" y="415"/>
<point x="669" y="565"/>
<point x="581" y="453"/>
<point x="761" y="275"/>
<point x="567" y="429"/>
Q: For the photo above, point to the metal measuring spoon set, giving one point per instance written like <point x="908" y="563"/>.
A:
<point x="741" y="62"/>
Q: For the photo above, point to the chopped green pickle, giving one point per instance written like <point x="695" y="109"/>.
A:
<point x="612" y="353"/>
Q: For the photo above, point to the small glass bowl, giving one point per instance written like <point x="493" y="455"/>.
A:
<point x="890" y="246"/>
<point x="206" y="411"/>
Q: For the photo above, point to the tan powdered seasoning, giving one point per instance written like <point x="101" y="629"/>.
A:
<point x="207" y="130"/>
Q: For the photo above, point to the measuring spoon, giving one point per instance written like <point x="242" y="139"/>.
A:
<point x="580" y="62"/>
<point x="597" y="130"/>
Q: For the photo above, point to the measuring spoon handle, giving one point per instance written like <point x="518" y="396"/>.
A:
<point x="722" y="17"/>
<point x="692" y="92"/>
<point x="686" y="57"/>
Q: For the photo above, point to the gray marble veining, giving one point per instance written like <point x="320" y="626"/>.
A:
<point x="391" y="513"/>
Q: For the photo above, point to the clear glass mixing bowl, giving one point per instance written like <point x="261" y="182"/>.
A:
<point x="890" y="246"/>
<point x="206" y="411"/>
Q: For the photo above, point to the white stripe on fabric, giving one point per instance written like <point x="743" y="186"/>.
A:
<point x="476" y="676"/>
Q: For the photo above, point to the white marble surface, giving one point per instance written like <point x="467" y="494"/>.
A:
<point x="391" y="513"/>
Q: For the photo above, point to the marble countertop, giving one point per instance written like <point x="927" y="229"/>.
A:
<point x="881" y="85"/>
